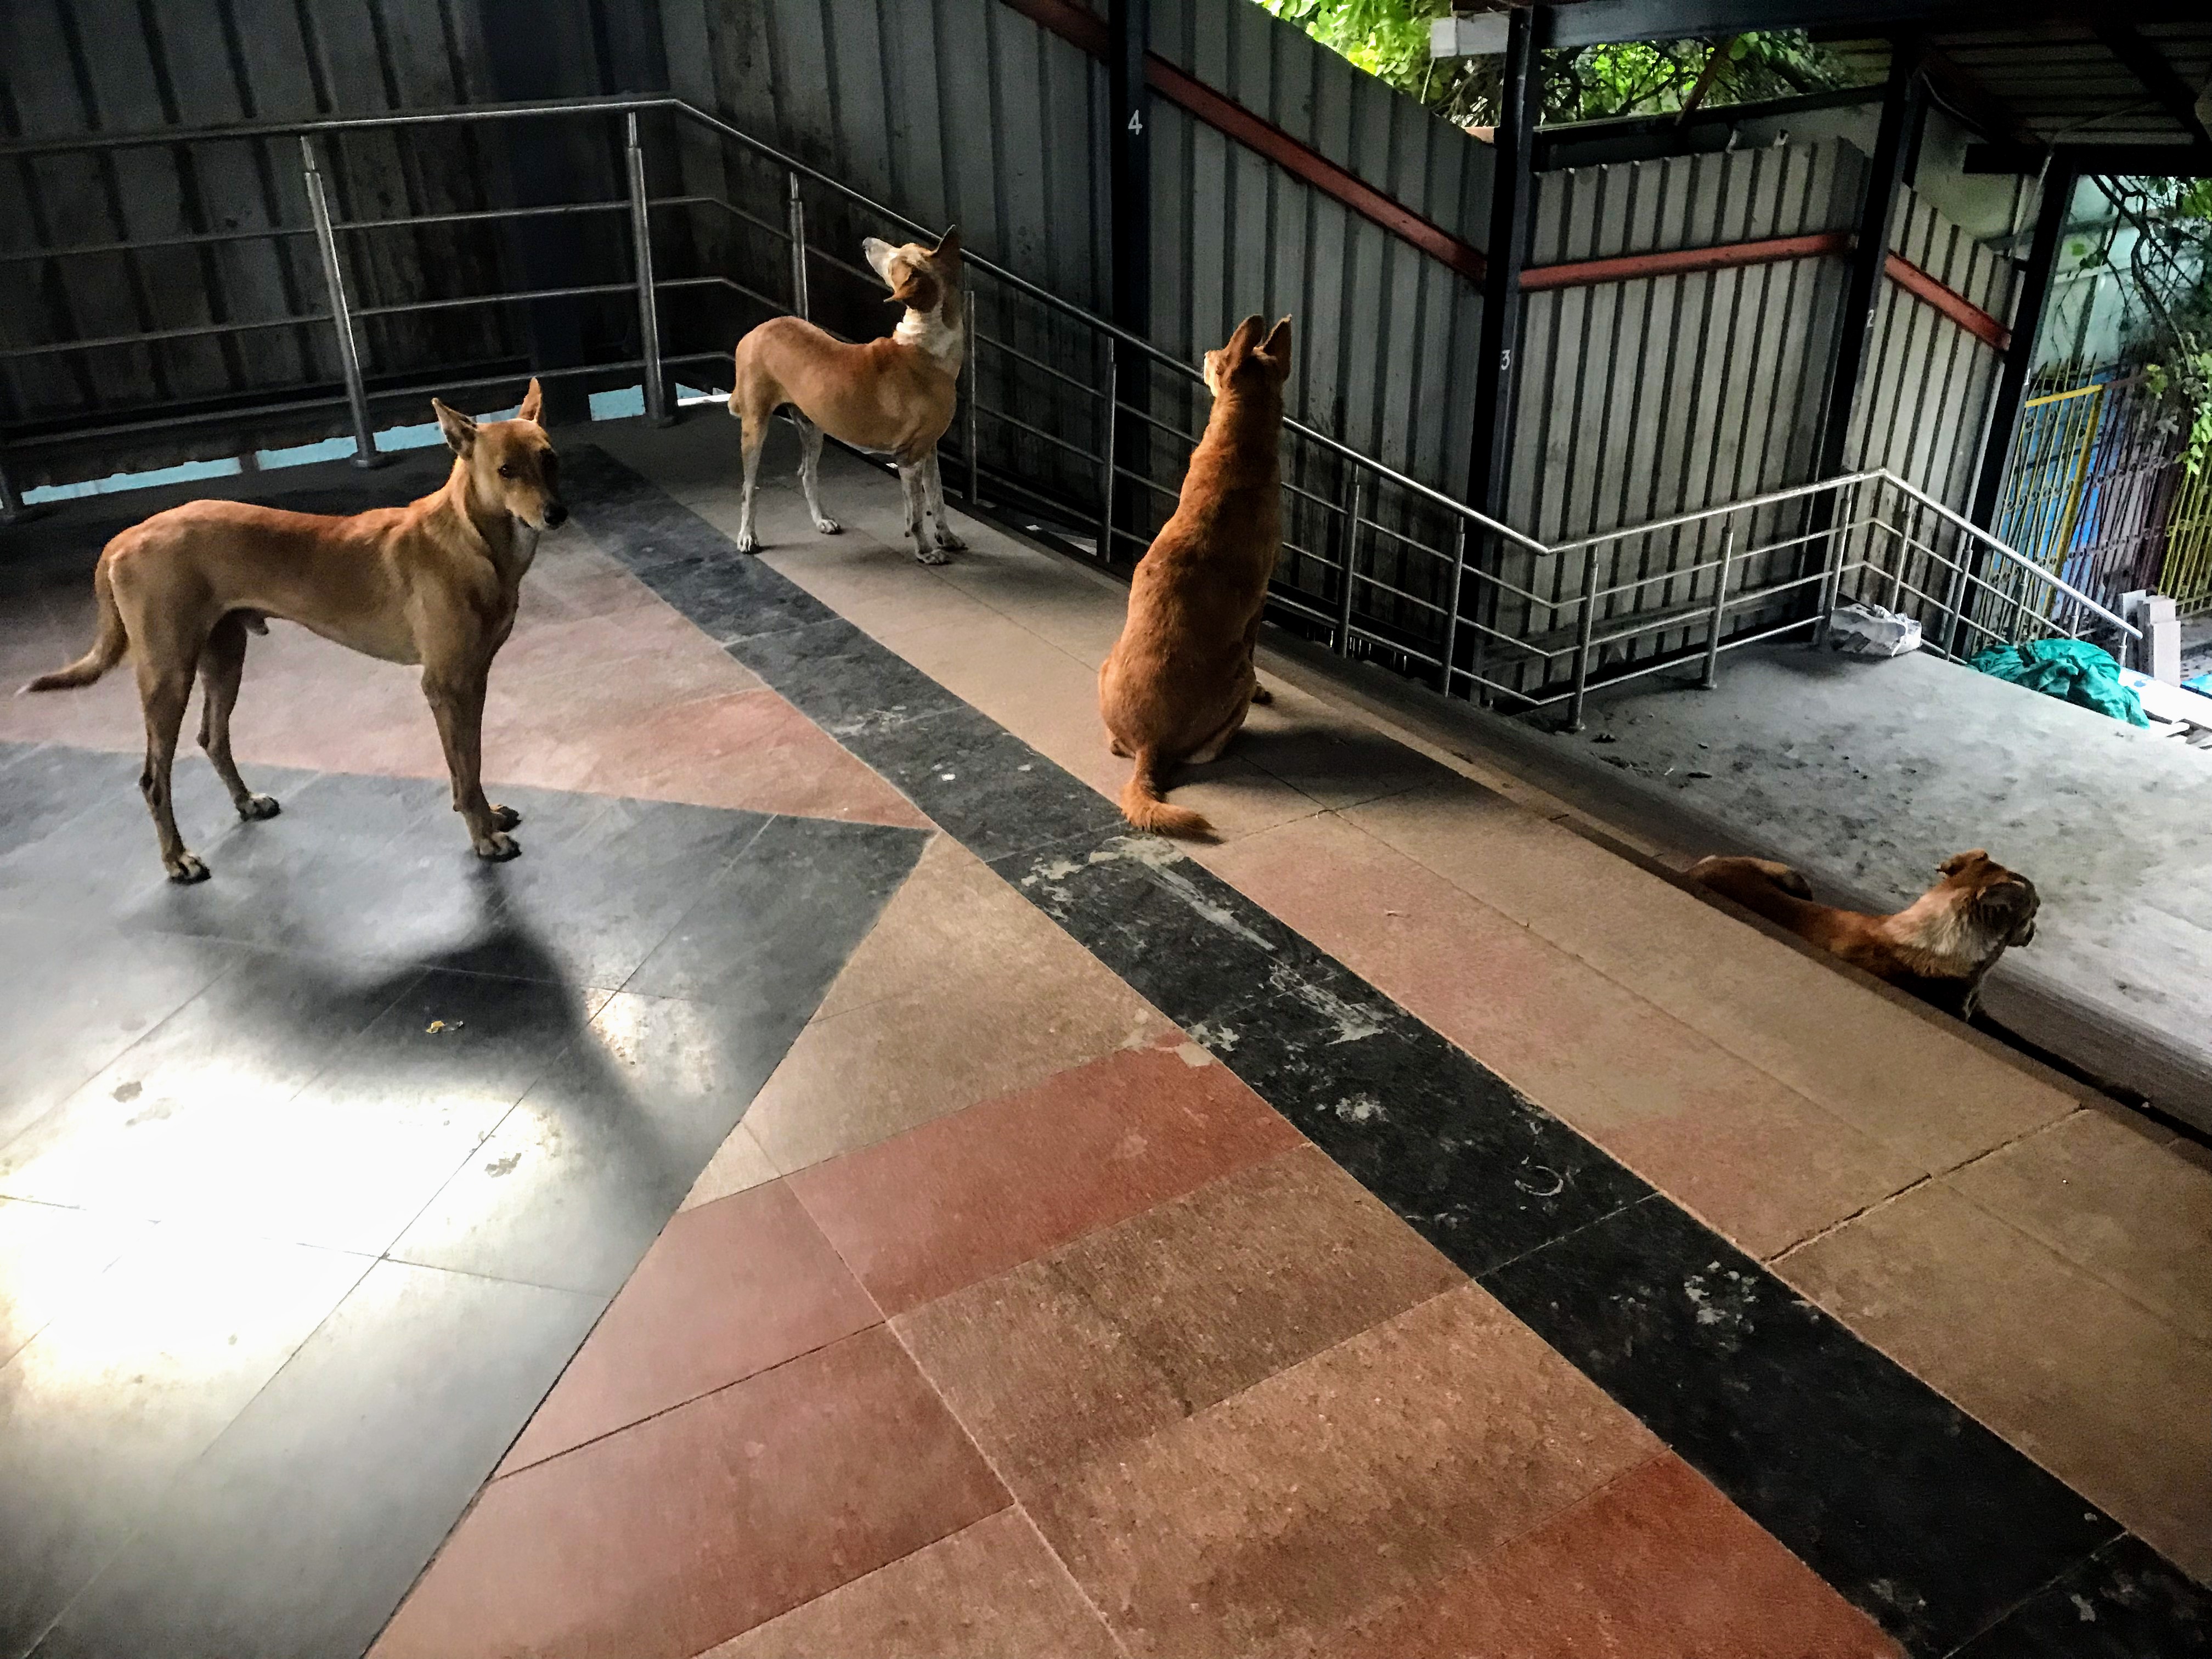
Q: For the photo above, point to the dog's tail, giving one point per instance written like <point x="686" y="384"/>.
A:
<point x="1142" y="805"/>
<point x="107" y="648"/>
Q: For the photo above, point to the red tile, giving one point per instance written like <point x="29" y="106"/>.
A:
<point x="994" y="1591"/>
<point x="1657" y="1565"/>
<point x="729" y="1289"/>
<point x="1326" y="1494"/>
<point x="972" y="1194"/>
<point x="694" y="1526"/>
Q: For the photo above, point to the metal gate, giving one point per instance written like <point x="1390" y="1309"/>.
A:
<point x="2097" y="494"/>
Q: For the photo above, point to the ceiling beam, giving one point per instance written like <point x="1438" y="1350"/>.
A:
<point x="2110" y="160"/>
<point x="1958" y="90"/>
<point x="1595" y="22"/>
<point x="2158" y="78"/>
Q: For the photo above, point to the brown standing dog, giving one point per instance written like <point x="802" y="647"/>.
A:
<point x="1938" y="948"/>
<point x="434" y="583"/>
<point x="1179" y="681"/>
<point x="892" y="396"/>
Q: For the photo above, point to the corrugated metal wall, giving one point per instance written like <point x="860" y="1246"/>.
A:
<point x="1924" y="403"/>
<point x="1636" y="399"/>
<point x="72" y="67"/>
<point x="1662" y="395"/>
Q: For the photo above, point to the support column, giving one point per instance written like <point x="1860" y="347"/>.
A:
<point x="1521" y="107"/>
<point x="1901" y="110"/>
<point x="1521" y="98"/>
<point x="1129" y="164"/>
<point x="2020" y="353"/>
<point x="1129" y="234"/>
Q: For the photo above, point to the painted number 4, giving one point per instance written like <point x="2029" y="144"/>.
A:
<point x="1136" y="123"/>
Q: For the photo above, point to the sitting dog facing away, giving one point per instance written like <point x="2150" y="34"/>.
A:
<point x="435" y="583"/>
<point x="893" y="396"/>
<point x="1938" y="948"/>
<point x="1179" y="681"/>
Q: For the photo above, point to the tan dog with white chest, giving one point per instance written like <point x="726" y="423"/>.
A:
<point x="1179" y="681"/>
<point x="893" y="396"/>
<point x="1939" y="948"/>
<point x="434" y="583"/>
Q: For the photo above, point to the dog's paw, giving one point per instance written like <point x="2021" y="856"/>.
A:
<point x="186" y="867"/>
<point x="498" y="847"/>
<point x="828" y="526"/>
<point x="1261" y="695"/>
<point x="748" y="542"/>
<point x="951" y="543"/>
<point x="259" y="807"/>
<point x="933" y="556"/>
<point x="504" y="817"/>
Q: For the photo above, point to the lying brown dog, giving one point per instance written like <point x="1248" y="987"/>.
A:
<point x="1179" y="680"/>
<point x="1938" y="948"/>
<point x="892" y="396"/>
<point x="434" y="583"/>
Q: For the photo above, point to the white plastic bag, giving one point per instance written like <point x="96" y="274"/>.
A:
<point x="1867" y="630"/>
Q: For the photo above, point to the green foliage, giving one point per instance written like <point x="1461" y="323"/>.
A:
<point x="1389" y="39"/>
<point x="2163" y="282"/>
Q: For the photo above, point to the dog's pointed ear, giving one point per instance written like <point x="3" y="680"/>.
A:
<point x="948" y="245"/>
<point x="1958" y="861"/>
<point x="1241" y="342"/>
<point x="460" y="429"/>
<point x="534" y="402"/>
<point x="1277" y="346"/>
<point x="917" y="290"/>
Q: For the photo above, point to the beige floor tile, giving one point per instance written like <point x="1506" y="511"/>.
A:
<point x="962" y="991"/>
<point x="2107" y="1395"/>
<point x="1762" y="1164"/>
<point x="1899" y="1078"/>
<point x="739" y="1166"/>
<point x="2114" y="1201"/>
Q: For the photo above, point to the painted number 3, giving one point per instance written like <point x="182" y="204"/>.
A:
<point x="1136" y="121"/>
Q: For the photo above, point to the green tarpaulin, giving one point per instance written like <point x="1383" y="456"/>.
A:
<point x="2070" y="670"/>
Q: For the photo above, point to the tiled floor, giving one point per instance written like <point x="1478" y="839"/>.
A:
<point x="1404" y="1229"/>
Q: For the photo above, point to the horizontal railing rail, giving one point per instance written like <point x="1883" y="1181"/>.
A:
<point x="1461" y="616"/>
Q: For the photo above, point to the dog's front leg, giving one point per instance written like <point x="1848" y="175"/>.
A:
<point x="933" y="483"/>
<point x="456" y="696"/>
<point x="910" y="483"/>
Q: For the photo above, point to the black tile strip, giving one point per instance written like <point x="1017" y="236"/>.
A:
<point x="1935" y="1526"/>
<point x="1905" y="1503"/>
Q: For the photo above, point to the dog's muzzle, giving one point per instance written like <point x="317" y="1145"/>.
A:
<point x="557" y="514"/>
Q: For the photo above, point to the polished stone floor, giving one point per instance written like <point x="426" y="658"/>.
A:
<point x="837" y="1194"/>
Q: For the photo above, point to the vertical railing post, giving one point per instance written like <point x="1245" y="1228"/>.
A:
<point x="975" y="447"/>
<point x="1720" y="609"/>
<point x="1841" y="523"/>
<point x="649" y="302"/>
<point x="11" y="503"/>
<point x="1350" y="562"/>
<point x="795" y="217"/>
<point x="1112" y="418"/>
<point x="326" y="241"/>
<point x="1452" y="606"/>
<point x="1584" y="629"/>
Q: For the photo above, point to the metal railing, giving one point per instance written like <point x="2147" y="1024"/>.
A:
<point x="1377" y="562"/>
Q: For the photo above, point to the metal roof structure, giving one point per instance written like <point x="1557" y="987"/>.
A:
<point x="2115" y="88"/>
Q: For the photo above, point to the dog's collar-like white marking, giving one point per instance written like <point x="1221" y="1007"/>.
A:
<point x="928" y="332"/>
